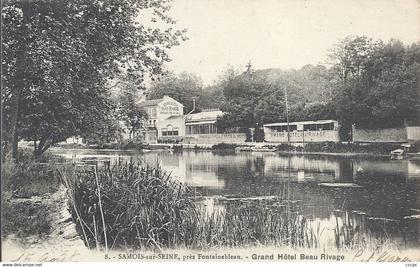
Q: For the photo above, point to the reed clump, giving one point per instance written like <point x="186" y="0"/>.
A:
<point x="129" y="206"/>
<point x="142" y="207"/>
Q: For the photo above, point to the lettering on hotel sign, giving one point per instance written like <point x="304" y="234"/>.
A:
<point x="169" y="108"/>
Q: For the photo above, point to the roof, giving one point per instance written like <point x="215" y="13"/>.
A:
<point x="174" y="117"/>
<point x="155" y="102"/>
<point x="298" y="122"/>
<point x="148" y="103"/>
<point x="204" y="116"/>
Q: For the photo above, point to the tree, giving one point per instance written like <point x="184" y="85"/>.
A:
<point x="250" y="101"/>
<point x="132" y="115"/>
<point x="379" y="87"/>
<point x="104" y="129"/>
<point x="58" y="57"/>
<point x="183" y="88"/>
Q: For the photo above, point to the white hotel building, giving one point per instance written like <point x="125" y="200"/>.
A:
<point x="167" y="123"/>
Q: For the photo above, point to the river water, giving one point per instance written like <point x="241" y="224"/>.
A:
<point x="380" y="196"/>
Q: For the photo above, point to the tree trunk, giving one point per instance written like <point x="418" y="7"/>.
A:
<point x="12" y="138"/>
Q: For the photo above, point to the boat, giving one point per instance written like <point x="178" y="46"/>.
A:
<point x="264" y="149"/>
<point x="397" y="154"/>
<point x="243" y="148"/>
<point x="406" y="151"/>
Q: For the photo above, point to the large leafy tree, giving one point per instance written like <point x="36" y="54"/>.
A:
<point x="379" y="83"/>
<point x="250" y="100"/>
<point x="58" y="57"/>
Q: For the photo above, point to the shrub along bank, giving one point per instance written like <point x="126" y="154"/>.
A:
<point x="332" y="147"/>
<point x="27" y="178"/>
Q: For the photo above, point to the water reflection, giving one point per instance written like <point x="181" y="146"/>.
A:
<point x="382" y="204"/>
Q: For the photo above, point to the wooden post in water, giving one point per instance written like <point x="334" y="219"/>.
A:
<point x="287" y="116"/>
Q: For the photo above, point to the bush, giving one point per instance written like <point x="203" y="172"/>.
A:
<point x="24" y="219"/>
<point x="132" y="145"/>
<point x="29" y="176"/>
<point x="285" y="147"/>
<point x="223" y="146"/>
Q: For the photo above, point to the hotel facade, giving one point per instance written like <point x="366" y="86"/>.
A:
<point x="166" y="123"/>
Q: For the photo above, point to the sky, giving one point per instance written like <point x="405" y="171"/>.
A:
<point x="281" y="33"/>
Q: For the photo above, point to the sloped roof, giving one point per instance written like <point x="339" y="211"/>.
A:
<point x="154" y="102"/>
<point x="204" y="116"/>
<point x="298" y="122"/>
<point x="174" y="117"/>
<point x="148" y="103"/>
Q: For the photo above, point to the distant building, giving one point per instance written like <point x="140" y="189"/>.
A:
<point x="302" y="131"/>
<point x="166" y="119"/>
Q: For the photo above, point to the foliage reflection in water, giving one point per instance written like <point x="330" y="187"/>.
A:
<point x="284" y="192"/>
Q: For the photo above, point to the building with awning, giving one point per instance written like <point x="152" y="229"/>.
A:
<point x="302" y="131"/>
<point x="200" y="128"/>
<point x="203" y="122"/>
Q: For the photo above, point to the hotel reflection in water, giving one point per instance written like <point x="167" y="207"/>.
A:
<point x="383" y="196"/>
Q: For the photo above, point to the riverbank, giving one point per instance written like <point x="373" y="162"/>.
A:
<point x="322" y="148"/>
<point x="152" y="193"/>
<point x="35" y="212"/>
<point x="41" y="229"/>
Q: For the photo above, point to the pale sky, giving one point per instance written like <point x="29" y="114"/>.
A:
<point x="281" y="33"/>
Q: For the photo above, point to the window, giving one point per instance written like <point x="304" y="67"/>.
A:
<point x="328" y="126"/>
<point x="154" y="112"/>
<point x="170" y="131"/>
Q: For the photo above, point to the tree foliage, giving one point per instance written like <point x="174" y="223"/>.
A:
<point x="59" y="55"/>
<point x="370" y="83"/>
<point x="183" y="88"/>
<point x="131" y="114"/>
<point x="250" y="101"/>
<point x="379" y="83"/>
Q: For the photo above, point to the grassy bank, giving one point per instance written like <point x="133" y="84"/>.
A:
<point x="30" y="176"/>
<point x="378" y="149"/>
<point x="130" y="206"/>
<point x="23" y="184"/>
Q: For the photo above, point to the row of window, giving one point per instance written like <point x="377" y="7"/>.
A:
<point x="208" y="128"/>
<point x="173" y="132"/>
<point x="306" y="127"/>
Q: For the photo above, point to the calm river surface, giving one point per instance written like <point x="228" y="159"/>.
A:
<point x="380" y="196"/>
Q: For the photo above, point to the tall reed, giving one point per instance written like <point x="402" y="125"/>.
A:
<point x="130" y="206"/>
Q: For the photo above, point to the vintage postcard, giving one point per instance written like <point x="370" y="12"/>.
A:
<point x="281" y="131"/>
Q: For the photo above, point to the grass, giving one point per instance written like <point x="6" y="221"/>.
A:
<point x="130" y="206"/>
<point x="142" y="207"/>
<point x="224" y="146"/>
<point x="29" y="176"/>
<point x="25" y="219"/>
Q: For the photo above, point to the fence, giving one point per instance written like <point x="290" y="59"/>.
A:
<point x="388" y="135"/>
<point x="231" y="138"/>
